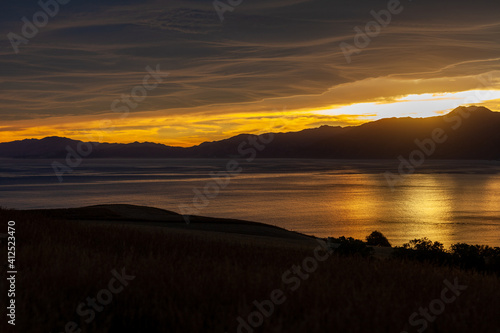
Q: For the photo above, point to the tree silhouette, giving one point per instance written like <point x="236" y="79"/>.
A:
<point x="376" y="238"/>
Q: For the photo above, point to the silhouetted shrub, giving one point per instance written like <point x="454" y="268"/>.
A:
<point x="423" y="250"/>
<point x="477" y="257"/>
<point x="376" y="238"/>
<point x="467" y="256"/>
<point x="424" y="244"/>
<point x="480" y="258"/>
<point x="351" y="246"/>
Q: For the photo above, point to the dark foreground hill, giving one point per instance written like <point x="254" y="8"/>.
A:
<point x="80" y="276"/>
<point x="150" y="216"/>
<point x="465" y="133"/>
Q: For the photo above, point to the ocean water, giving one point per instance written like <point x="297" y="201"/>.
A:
<point x="449" y="202"/>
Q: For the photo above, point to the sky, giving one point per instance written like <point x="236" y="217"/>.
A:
<point x="269" y="65"/>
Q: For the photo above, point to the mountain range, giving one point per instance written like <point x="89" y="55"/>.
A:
<point x="464" y="133"/>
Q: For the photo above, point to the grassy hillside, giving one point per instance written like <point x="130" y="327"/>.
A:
<point x="202" y="281"/>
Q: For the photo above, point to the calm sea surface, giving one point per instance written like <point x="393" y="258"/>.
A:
<point x="446" y="201"/>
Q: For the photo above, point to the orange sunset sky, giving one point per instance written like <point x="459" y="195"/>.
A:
<point x="267" y="67"/>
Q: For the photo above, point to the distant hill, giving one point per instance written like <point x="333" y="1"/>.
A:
<point x="470" y="132"/>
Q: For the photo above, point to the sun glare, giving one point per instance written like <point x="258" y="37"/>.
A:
<point x="421" y="105"/>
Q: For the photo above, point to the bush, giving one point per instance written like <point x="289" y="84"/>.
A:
<point x="351" y="246"/>
<point x="376" y="238"/>
<point x="477" y="257"/>
<point x="480" y="258"/>
<point x="467" y="256"/>
<point x="423" y="250"/>
<point x="424" y="244"/>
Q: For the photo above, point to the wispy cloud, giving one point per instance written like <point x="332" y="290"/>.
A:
<point x="264" y="56"/>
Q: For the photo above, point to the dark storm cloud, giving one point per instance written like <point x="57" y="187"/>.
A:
<point x="91" y="52"/>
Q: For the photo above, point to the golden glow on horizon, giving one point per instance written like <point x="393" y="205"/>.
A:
<point x="195" y="128"/>
<point x="422" y="105"/>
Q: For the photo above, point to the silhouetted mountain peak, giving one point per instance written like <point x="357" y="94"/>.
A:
<point x="473" y="132"/>
<point x="473" y="109"/>
<point x="57" y="139"/>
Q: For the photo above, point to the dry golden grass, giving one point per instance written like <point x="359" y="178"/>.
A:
<point x="201" y="282"/>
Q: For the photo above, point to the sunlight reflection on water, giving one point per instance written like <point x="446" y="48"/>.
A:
<point x="324" y="198"/>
